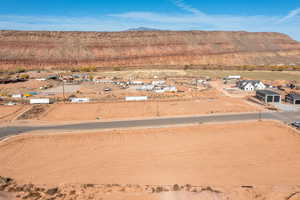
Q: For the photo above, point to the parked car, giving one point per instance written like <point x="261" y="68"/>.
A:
<point x="296" y="124"/>
<point x="107" y="89"/>
<point x="11" y="103"/>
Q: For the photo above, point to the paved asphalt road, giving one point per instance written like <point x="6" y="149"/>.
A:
<point x="286" y="117"/>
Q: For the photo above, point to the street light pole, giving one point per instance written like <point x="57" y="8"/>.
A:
<point x="64" y="91"/>
<point x="157" y="109"/>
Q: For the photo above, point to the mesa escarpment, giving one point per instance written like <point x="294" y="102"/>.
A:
<point x="146" y="48"/>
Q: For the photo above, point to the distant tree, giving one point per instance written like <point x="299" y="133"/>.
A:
<point x="24" y="76"/>
<point x="20" y="70"/>
<point x="117" y="68"/>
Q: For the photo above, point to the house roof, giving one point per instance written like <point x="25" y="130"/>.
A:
<point x="294" y="96"/>
<point x="243" y="83"/>
<point x="267" y="92"/>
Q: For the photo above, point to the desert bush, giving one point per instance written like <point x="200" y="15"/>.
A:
<point x="20" y="70"/>
<point x="296" y="68"/>
<point x="186" y="67"/>
<point x="159" y="189"/>
<point x="117" y="69"/>
<point x="91" y="77"/>
<point x="176" y="187"/>
<point x="87" y="69"/>
<point x="188" y="187"/>
<point x="24" y="76"/>
<point x="74" y="69"/>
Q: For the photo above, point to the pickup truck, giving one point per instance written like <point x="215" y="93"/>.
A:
<point x="296" y="125"/>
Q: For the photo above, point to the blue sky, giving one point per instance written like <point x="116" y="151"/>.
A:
<point x="117" y="15"/>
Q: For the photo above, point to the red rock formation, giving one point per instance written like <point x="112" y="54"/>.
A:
<point x="146" y="48"/>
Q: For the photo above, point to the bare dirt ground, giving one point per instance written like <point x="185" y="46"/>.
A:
<point x="73" y="112"/>
<point x="21" y="87"/>
<point x="250" y="153"/>
<point x="161" y="73"/>
<point x="10" y="112"/>
<point x="208" y="102"/>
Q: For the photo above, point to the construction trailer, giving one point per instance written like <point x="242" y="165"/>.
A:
<point x="233" y="77"/>
<point x="141" y="98"/>
<point x="268" y="96"/>
<point x="40" y="101"/>
<point x="79" y="100"/>
<point x="293" y="98"/>
<point x="17" y="96"/>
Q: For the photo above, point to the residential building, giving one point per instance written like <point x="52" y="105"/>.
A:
<point x="293" y="98"/>
<point x="251" y="85"/>
<point x="268" y="96"/>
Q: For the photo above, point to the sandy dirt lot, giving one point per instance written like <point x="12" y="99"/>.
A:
<point x="10" y="112"/>
<point x="250" y="153"/>
<point x="22" y="87"/>
<point x="74" y="112"/>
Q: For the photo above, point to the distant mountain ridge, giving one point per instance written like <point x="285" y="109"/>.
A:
<point x="142" y="29"/>
<point x="146" y="48"/>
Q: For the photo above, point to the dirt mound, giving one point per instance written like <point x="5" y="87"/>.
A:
<point x="146" y="48"/>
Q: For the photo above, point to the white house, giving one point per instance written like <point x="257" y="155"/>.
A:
<point x="158" y="82"/>
<point x="251" y="85"/>
<point x="136" y="82"/>
<point x="170" y="89"/>
<point x="248" y="87"/>
<point x="260" y="86"/>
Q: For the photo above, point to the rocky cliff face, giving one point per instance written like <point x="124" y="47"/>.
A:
<point x="146" y="48"/>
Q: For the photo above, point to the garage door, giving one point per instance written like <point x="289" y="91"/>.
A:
<point x="269" y="99"/>
<point x="276" y="99"/>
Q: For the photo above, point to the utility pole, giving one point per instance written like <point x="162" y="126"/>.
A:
<point x="64" y="91"/>
<point x="157" y="108"/>
<point x="63" y="87"/>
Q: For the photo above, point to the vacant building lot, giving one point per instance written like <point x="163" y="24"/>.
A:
<point x="257" y="75"/>
<point x="10" y="112"/>
<point x="249" y="153"/>
<point x="74" y="112"/>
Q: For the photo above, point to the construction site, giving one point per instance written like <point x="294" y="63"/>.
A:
<point x="149" y="134"/>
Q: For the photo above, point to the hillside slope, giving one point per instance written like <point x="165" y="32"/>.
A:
<point x="140" y="48"/>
